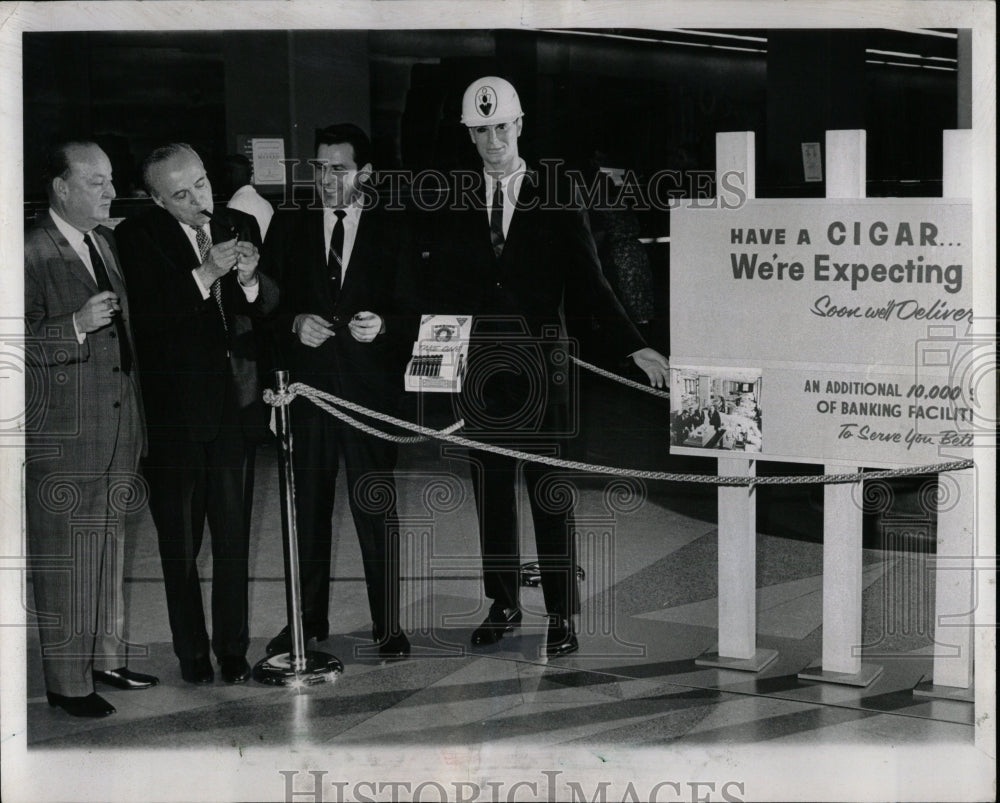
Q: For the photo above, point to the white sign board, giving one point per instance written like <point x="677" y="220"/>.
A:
<point x="854" y="312"/>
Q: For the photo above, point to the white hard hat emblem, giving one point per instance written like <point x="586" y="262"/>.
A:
<point x="487" y="101"/>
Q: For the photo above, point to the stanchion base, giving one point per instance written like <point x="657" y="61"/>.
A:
<point x="926" y="688"/>
<point x="277" y="670"/>
<point x="867" y="674"/>
<point x="755" y="663"/>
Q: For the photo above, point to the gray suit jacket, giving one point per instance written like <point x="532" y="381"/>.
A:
<point x="75" y="393"/>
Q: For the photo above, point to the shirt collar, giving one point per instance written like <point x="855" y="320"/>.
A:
<point x="353" y="211"/>
<point x="510" y="182"/>
<point x="70" y="232"/>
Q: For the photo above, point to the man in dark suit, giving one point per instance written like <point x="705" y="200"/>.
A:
<point x="509" y="258"/>
<point x="337" y="265"/>
<point x="192" y="272"/>
<point x="84" y="437"/>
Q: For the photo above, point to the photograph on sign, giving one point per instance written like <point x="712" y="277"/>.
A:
<point x="715" y="408"/>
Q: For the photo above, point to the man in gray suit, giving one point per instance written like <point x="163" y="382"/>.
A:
<point x="84" y="434"/>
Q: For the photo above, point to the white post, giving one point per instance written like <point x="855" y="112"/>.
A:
<point x="954" y="578"/>
<point x="737" y="563"/>
<point x="734" y="153"/>
<point x="842" y="515"/>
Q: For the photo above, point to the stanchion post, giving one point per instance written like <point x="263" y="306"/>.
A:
<point x="843" y="516"/>
<point x="286" y="480"/>
<point x="737" y="562"/>
<point x="299" y="667"/>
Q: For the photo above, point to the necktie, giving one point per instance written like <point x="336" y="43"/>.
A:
<point x="335" y="261"/>
<point x="204" y="246"/>
<point x="104" y="283"/>
<point x="496" y="220"/>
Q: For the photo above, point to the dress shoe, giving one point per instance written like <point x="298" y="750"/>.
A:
<point x="235" y="669"/>
<point x="93" y="705"/>
<point x="497" y="622"/>
<point x="394" y="647"/>
<point x="282" y="642"/>
<point x="560" y="639"/>
<point x="197" y="670"/>
<point x="125" y="679"/>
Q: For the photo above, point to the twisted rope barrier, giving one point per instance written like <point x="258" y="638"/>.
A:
<point x="331" y="403"/>
<point x="663" y="394"/>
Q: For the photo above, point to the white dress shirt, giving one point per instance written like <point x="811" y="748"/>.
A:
<point x="351" y="221"/>
<point x="510" y="186"/>
<point x="75" y="239"/>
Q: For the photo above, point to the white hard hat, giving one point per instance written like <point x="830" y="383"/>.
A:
<point x="489" y="101"/>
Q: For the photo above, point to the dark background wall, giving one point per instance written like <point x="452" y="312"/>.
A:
<point x="647" y="100"/>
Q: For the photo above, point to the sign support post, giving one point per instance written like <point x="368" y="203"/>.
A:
<point x="843" y="515"/>
<point x="954" y="595"/>
<point x="737" y="562"/>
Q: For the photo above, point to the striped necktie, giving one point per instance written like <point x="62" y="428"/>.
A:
<point x="496" y="220"/>
<point x="335" y="259"/>
<point x="204" y="246"/>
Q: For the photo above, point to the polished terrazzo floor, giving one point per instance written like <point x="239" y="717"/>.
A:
<point x="649" y="609"/>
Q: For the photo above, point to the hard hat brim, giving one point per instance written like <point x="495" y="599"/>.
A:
<point x="491" y="121"/>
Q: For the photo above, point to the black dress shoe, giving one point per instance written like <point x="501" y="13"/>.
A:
<point x="235" y="669"/>
<point x="93" y="705"/>
<point x="125" y="679"/>
<point x="282" y="642"/>
<point x="497" y="622"/>
<point x="394" y="647"/>
<point x="560" y="639"/>
<point x="197" y="670"/>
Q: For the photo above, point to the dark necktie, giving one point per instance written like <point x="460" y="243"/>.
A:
<point x="335" y="260"/>
<point x="104" y="283"/>
<point x="204" y="246"/>
<point x="496" y="220"/>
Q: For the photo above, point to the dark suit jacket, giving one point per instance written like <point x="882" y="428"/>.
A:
<point x="75" y="392"/>
<point x="294" y="255"/>
<point x="187" y="356"/>
<point x="548" y="256"/>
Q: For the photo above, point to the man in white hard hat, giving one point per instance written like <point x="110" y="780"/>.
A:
<point x="509" y="261"/>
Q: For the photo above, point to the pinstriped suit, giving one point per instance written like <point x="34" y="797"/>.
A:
<point x="84" y="437"/>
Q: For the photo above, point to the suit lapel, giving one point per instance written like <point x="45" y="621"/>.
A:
<point x="110" y="261"/>
<point x="359" y="253"/>
<point x="176" y="242"/>
<point x="314" y="247"/>
<point x="68" y="256"/>
<point x="477" y="221"/>
<point x="527" y="199"/>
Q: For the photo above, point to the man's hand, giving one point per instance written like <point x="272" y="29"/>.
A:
<point x="365" y="326"/>
<point x="655" y="365"/>
<point x="312" y="330"/>
<point x="97" y="312"/>
<point x="247" y="257"/>
<point x="220" y="260"/>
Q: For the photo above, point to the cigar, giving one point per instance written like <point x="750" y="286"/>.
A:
<point x="226" y="227"/>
